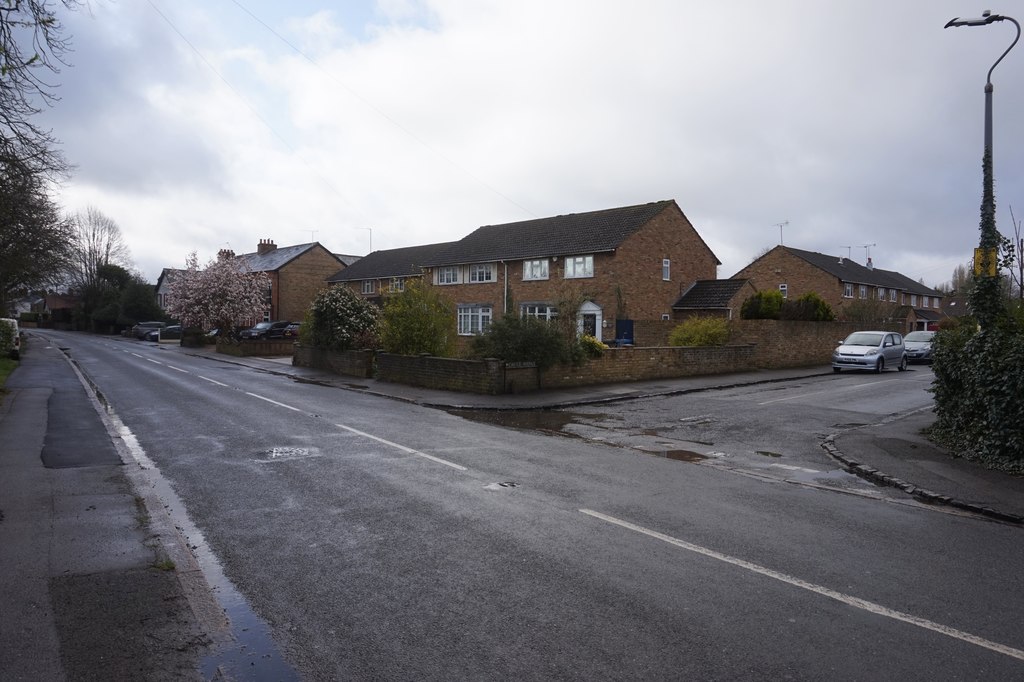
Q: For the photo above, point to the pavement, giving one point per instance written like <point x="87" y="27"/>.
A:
<point x="96" y="583"/>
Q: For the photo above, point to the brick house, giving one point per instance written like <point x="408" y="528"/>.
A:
<point x="629" y="263"/>
<point x="714" y="298"/>
<point x="297" y="273"/>
<point x="385" y="271"/>
<point x="846" y="285"/>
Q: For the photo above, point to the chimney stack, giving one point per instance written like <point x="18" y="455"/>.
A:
<point x="224" y="254"/>
<point x="265" y="246"/>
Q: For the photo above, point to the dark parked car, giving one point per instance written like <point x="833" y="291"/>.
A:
<point x="265" y="330"/>
<point x="140" y="330"/>
<point x="919" y="346"/>
<point x="292" y="330"/>
<point x="172" y="332"/>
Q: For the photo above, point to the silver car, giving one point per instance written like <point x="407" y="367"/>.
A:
<point x="870" y="350"/>
<point x="919" y="346"/>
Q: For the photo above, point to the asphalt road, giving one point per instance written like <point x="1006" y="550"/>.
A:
<point x="382" y="540"/>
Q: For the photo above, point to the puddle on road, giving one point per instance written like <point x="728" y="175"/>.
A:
<point x="768" y="453"/>
<point x="550" y="421"/>
<point x="681" y="455"/>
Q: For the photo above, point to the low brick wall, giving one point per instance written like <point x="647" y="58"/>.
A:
<point x="450" y="374"/>
<point x="259" y="348"/>
<point x="791" y="343"/>
<point x="356" y="363"/>
<point x="639" y="364"/>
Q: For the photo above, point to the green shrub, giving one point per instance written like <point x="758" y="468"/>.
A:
<point x="764" y="305"/>
<point x="339" y="319"/>
<point x="522" y="339"/>
<point x="29" y="317"/>
<point x="809" y="307"/>
<point x="700" y="331"/>
<point x="591" y="346"/>
<point x="418" y="320"/>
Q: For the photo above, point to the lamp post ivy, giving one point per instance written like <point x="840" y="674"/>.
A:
<point x="985" y="298"/>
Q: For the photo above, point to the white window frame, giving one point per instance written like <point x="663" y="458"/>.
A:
<point x="473" y="319"/>
<point x="926" y="302"/>
<point x="579" y="267"/>
<point x="892" y="295"/>
<point x="847" y="290"/>
<point x="881" y="293"/>
<point x="913" y="300"/>
<point x="666" y="270"/>
<point x="540" y="311"/>
<point x="369" y="286"/>
<point x="448" y="274"/>
<point x="863" y="291"/>
<point x="480" y="273"/>
<point x="536" y="269"/>
<point x="784" y="288"/>
<point x="397" y="285"/>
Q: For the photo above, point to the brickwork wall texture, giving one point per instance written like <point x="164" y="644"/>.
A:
<point x="800" y="277"/>
<point x="300" y="280"/>
<point x="356" y="363"/>
<point x="471" y="376"/>
<point x="256" y="348"/>
<point x="640" y="364"/>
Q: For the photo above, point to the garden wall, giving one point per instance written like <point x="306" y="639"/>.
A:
<point x="450" y="374"/>
<point x="792" y="343"/>
<point x="639" y="364"/>
<point x="356" y="363"/>
<point x="259" y="348"/>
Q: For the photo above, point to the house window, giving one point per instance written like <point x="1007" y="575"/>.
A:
<point x="481" y="272"/>
<point x="863" y="291"/>
<point x="892" y="295"/>
<point x="927" y="302"/>
<point x="904" y="298"/>
<point x="473" y="319"/>
<point x="666" y="269"/>
<point x="881" y="293"/>
<point x="541" y="311"/>
<point x="579" y="266"/>
<point x="784" y="288"/>
<point x="368" y="287"/>
<point x="665" y="316"/>
<point x="535" y="269"/>
<point x="448" y="275"/>
<point x="936" y="303"/>
<point x="266" y="315"/>
<point x="847" y="290"/>
<point x="397" y="285"/>
<point x="913" y="300"/>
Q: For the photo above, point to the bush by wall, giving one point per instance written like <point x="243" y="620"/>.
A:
<point x="339" y="319"/>
<point x="764" y="305"/>
<point x="700" y="331"/>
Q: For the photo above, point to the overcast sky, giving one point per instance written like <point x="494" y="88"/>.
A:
<point x="201" y="124"/>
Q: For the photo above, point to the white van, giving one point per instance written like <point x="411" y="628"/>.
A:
<point x="14" y="349"/>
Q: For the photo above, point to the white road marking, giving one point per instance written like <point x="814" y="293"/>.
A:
<point x="855" y="602"/>
<point x="274" y="402"/>
<point x="835" y="390"/>
<point x="155" y="362"/>
<point x="790" y="467"/>
<point x="402" y="448"/>
<point x="137" y="355"/>
<point x="179" y="369"/>
<point x="212" y="381"/>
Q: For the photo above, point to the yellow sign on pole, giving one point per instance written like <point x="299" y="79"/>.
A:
<point x="985" y="262"/>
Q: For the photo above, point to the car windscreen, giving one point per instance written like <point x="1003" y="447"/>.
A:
<point x="919" y="336"/>
<point x="863" y="339"/>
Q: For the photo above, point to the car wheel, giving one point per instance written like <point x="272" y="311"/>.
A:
<point x="879" y="366"/>
<point x="903" y="364"/>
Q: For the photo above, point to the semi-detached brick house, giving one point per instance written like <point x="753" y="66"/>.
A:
<point x="845" y="285"/>
<point x="629" y="263"/>
<point x="386" y="271"/>
<point x="297" y="273"/>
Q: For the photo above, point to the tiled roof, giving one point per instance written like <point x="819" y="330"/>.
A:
<point x="404" y="262"/>
<point x="564" y="235"/>
<point x="276" y="259"/>
<point x="851" y="271"/>
<point x="347" y="259"/>
<point x="710" y="293"/>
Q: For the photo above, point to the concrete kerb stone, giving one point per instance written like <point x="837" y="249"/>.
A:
<point x="927" y="496"/>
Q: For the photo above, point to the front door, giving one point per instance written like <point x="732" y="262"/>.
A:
<point x="588" y="320"/>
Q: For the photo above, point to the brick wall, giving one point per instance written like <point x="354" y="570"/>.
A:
<point x="471" y="376"/>
<point x="791" y="343"/>
<point x="778" y="266"/>
<point x="641" y="364"/>
<point x="357" y="363"/>
<point x="300" y="280"/>
<point x="256" y="348"/>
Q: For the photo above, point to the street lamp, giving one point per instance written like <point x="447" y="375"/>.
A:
<point x="985" y="296"/>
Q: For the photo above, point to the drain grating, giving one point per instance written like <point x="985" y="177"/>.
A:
<point x="500" y="485"/>
<point x="286" y="453"/>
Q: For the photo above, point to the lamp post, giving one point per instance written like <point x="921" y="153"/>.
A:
<point x="985" y="296"/>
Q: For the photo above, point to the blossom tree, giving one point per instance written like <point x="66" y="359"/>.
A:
<point x="223" y="294"/>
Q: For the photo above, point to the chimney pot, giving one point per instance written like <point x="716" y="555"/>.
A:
<point x="265" y="246"/>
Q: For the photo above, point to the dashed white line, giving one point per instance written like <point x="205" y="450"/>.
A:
<point x="137" y="355"/>
<point x="212" y="381"/>
<point x="855" y="602"/>
<point x="273" y="402"/>
<point x="834" y="390"/>
<point x="179" y="369"/>
<point x="155" y="362"/>
<point x="402" y="447"/>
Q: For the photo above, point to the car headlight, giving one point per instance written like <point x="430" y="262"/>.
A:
<point x="873" y="351"/>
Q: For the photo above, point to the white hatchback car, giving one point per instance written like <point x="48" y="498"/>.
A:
<point x="870" y="350"/>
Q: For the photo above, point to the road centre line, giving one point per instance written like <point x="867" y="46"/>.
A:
<point x="274" y="402"/>
<point x="179" y="369"/>
<point x="155" y="362"/>
<point x="212" y="381"/>
<point x="855" y="602"/>
<point x="402" y="448"/>
<point x="845" y="388"/>
<point x="138" y="356"/>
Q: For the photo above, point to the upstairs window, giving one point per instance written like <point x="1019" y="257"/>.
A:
<point x="535" y="269"/>
<point x="863" y="291"/>
<point x="397" y="284"/>
<point x="847" y="290"/>
<point x="666" y="269"/>
<point x="368" y="287"/>
<point x="881" y="293"/>
<point x="579" y="266"/>
<point x="913" y="300"/>
<point x="481" y="272"/>
<point x="784" y="288"/>
<point x="892" y="295"/>
<point x="927" y="302"/>
<point x="448" y="275"/>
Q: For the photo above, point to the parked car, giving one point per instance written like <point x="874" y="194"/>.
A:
<point x="140" y="330"/>
<point x="13" y="348"/>
<point x="172" y="332"/>
<point x="870" y="350"/>
<point x="292" y="330"/>
<point x="265" y="330"/>
<point x="919" y="346"/>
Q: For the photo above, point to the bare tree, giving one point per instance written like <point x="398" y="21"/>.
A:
<point x="32" y="47"/>
<point x="97" y="241"/>
<point x="1014" y="256"/>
